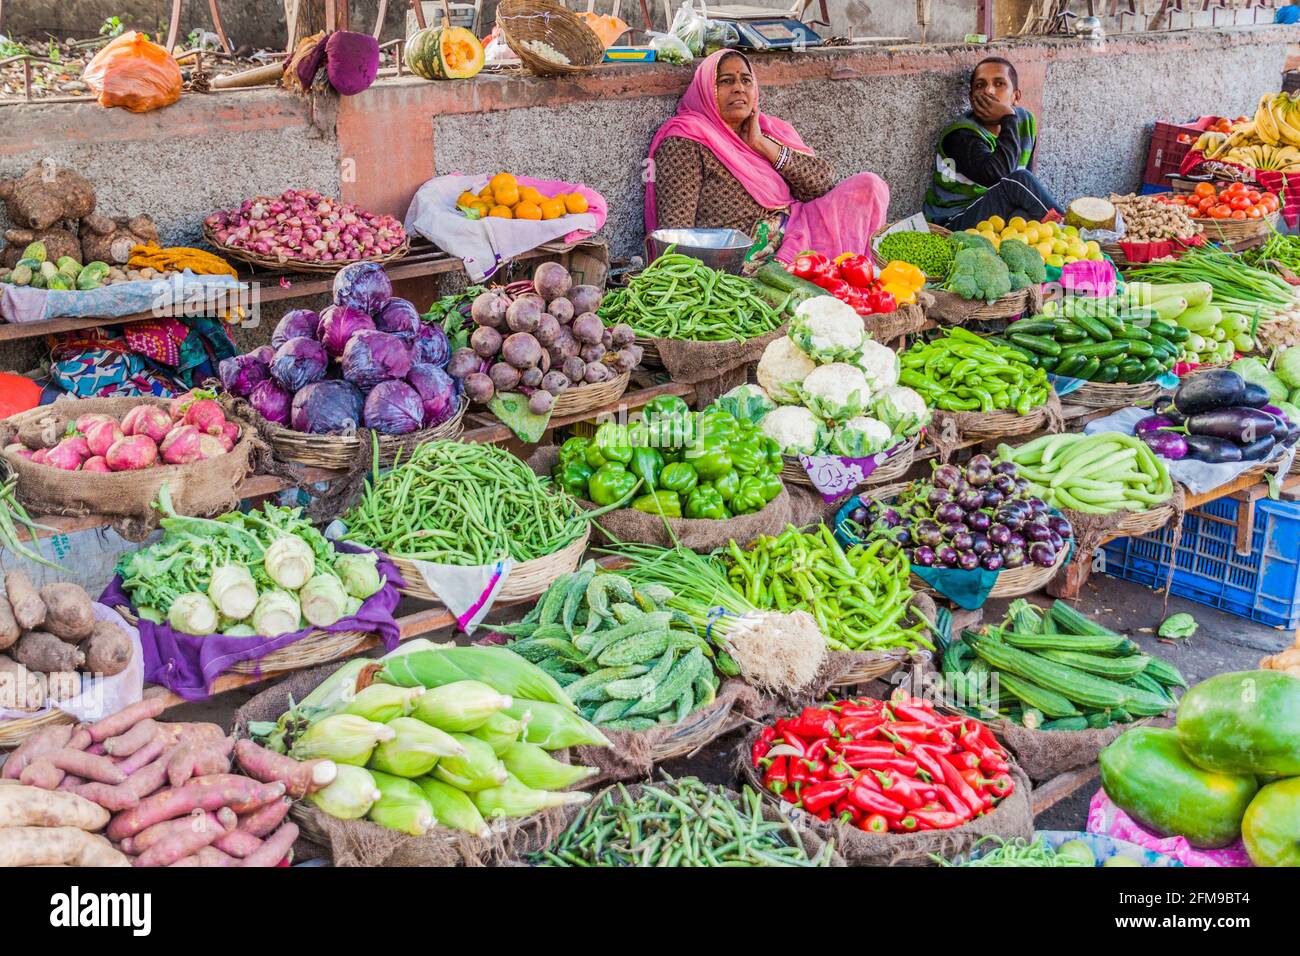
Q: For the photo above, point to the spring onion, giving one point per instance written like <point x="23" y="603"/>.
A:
<point x="1235" y="284"/>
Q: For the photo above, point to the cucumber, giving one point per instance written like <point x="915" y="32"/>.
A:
<point x="1138" y="348"/>
<point x="1108" y="372"/>
<point x="1095" y="329"/>
<point x="1039" y="698"/>
<point x="1070" y="363"/>
<point x="1033" y="326"/>
<point x="1135" y="332"/>
<point x="1063" y="330"/>
<point x="1168" y="330"/>
<point x="1103" y="350"/>
<point x="1113" y="323"/>
<point x="1152" y="369"/>
<point x="1035" y="343"/>
<point x="1131" y="371"/>
<point x="1090" y="368"/>
<point x="774" y="274"/>
<point x="1066" y="723"/>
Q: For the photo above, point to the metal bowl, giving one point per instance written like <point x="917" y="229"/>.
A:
<point x="721" y="249"/>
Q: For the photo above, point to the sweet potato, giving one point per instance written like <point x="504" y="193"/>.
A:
<point x="90" y="766"/>
<point x="299" y="777"/>
<point x="207" y="856"/>
<point x="108" y="650"/>
<point x="41" y="773"/>
<point x="20" y="689"/>
<point x="71" y="781"/>
<point x="265" y="819"/>
<point x="123" y="745"/>
<point x="42" y="651"/>
<point x="45" y="846"/>
<point x="241" y="794"/>
<point x="196" y="732"/>
<point x="9" y="629"/>
<point x="180" y="842"/>
<point x="46" y="740"/>
<point x="238" y="843"/>
<point x="145" y="755"/>
<point x="194" y="758"/>
<point x="80" y="738"/>
<point x="275" y="848"/>
<point x="23" y="806"/>
<point x="28" y="608"/>
<point x="135" y="845"/>
<point x="116" y="724"/>
<point x="69" y="613"/>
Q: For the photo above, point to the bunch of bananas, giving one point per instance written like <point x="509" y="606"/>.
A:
<point x="1258" y="156"/>
<point x="1277" y="120"/>
<point x="1270" y="141"/>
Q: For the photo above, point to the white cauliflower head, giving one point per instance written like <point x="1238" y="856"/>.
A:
<point x="837" y="391"/>
<point x="879" y="364"/>
<point x="902" y="409"/>
<point x="794" y="428"/>
<point x="827" y="329"/>
<point x="860" y="437"/>
<point x="782" y="370"/>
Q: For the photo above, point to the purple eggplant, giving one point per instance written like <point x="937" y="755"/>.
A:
<point x="1273" y="410"/>
<point x="1152" y="423"/>
<point x="946" y="476"/>
<point x="1042" y="554"/>
<point x="950" y="531"/>
<point x="962" y="541"/>
<point x="890" y="518"/>
<point x="1038" y="533"/>
<point x="1022" y="485"/>
<point x="923" y="556"/>
<point x="903" y="537"/>
<point x="1235" y="423"/>
<point x="949" y="513"/>
<point x="1005" y="468"/>
<point x="947" y="556"/>
<point x="1281" y="428"/>
<point x="1164" y="407"/>
<point x="938" y="497"/>
<point x="927" y="533"/>
<point x="968" y="560"/>
<point x="991" y="561"/>
<point x="1258" y="450"/>
<point x="860" y="515"/>
<point x="999" y="534"/>
<point x="1254" y="396"/>
<point x="1171" y="445"/>
<point x="1206" y="391"/>
<point x="1292" y="434"/>
<point x="1210" y="449"/>
<point x="993" y="497"/>
<point x="1038" y="506"/>
<point x="970" y="500"/>
<point x="1056" y="541"/>
<point x="1060" y="524"/>
<point x="1006" y="484"/>
<point x="1017" y="540"/>
<point x="1013" y="555"/>
<point x="979" y="470"/>
<point x="979" y="521"/>
<point x="980" y="544"/>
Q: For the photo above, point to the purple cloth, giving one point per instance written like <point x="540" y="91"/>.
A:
<point x="835" y="476"/>
<point x="187" y="664"/>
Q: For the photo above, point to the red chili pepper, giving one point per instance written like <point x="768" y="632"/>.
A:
<point x="898" y="787"/>
<point x="952" y="802"/>
<point x="789" y="796"/>
<point x="937" y="819"/>
<point x="777" y="778"/>
<point x="859" y="727"/>
<point x="973" y="780"/>
<point x="1001" y="785"/>
<point x="964" y="760"/>
<point x="987" y="736"/>
<point x="767" y="735"/>
<point x="928" y="763"/>
<point x="880" y="751"/>
<point x="874" y="823"/>
<point x="870" y="800"/>
<point x="813" y="723"/>
<point x="902" y="765"/>
<point x="974" y="743"/>
<point x="838" y="770"/>
<point x="992" y="764"/>
<point x="816" y="769"/>
<point x="824" y="815"/>
<point x="953" y="779"/>
<point x="820" y="796"/>
<point x="793" y="740"/>
<point x="816" y="749"/>
<point x="869" y="708"/>
<point x="918" y="715"/>
<point x="913" y="730"/>
<point x="945" y="737"/>
<point x="759" y="750"/>
<point x="799" y="775"/>
<point x="903" y="824"/>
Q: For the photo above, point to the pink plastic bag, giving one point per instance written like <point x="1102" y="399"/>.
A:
<point x="1109" y="820"/>
<point x="1090" y="278"/>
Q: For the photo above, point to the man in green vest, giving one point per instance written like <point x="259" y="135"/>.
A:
<point x="982" y="164"/>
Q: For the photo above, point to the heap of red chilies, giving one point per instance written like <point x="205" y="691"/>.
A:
<point x="884" y="767"/>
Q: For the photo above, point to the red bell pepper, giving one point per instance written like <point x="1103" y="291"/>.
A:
<point x="881" y="301"/>
<point x="821" y="796"/>
<point x="875" y="823"/>
<point x="953" y="779"/>
<point x="777" y="778"/>
<point x="937" y="819"/>
<point x="812" y="266"/>
<point x="835" y="286"/>
<point x="871" y="800"/>
<point x="857" y="271"/>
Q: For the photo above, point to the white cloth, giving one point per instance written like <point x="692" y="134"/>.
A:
<point x="163" y="297"/>
<point x="468" y="592"/>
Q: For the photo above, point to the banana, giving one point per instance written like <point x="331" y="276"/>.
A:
<point x="1265" y="124"/>
<point x="1288" y="154"/>
<point x="1285" y="112"/>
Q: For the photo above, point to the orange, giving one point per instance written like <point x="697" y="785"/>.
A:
<point x="501" y="212"/>
<point x="501" y="181"/>
<point x="483" y="206"/>
<point x="552" y="209"/>
<point x="466" y="199"/>
<point x="506" y="195"/>
<point x="530" y="194"/>
<point x="486" y="193"/>
<point x="528" y="210"/>
<point x="575" y="202"/>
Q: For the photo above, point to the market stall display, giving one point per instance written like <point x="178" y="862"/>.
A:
<point x="1234" y="213"/>
<point x="852" y="278"/>
<point x="1059" y="244"/>
<point x="932" y="252"/>
<point x="444" y="52"/>
<point x="1269" y="141"/>
<point x="66" y="274"/>
<point x="504" y="198"/>
<point x="1213" y="334"/>
<point x="1055" y="848"/>
<point x="1092" y="474"/>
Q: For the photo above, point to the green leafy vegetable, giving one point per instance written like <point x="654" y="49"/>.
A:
<point x="1178" y="626"/>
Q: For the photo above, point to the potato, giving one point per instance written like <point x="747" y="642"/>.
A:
<point x="69" y="613"/>
<point x="108" y="650"/>
<point x="9" y="629"/>
<point x="28" y="608"/>
<point x="42" y="651"/>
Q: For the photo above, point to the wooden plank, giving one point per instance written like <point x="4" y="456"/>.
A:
<point x="1062" y="786"/>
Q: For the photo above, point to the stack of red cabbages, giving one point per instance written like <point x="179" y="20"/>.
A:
<point x="365" y="361"/>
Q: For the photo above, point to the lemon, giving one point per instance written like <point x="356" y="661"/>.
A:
<point x="1054" y="260"/>
<point x="1010" y="233"/>
<point x="1044" y="248"/>
<point x="988" y="234"/>
<point x="1076" y="247"/>
<point x="1060" y="246"/>
<point x="1070" y="230"/>
<point x="1018" y="223"/>
<point x="1031" y="235"/>
<point x="995" y="223"/>
<point x="1092" y="245"/>
<point x="1094" y="255"/>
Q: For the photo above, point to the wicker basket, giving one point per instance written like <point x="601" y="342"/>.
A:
<point x="948" y="304"/>
<point x="793" y="473"/>
<point x="1234" y="231"/>
<point x="991" y="425"/>
<point x="341" y="451"/>
<point x="1138" y="523"/>
<point x="550" y="23"/>
<point x="880" y="261"/>
<point x="528" y="579"/>
<point x="1102" y="395"/>
<point x="14" y="732"/>
<point x="649" y="354"/>
<point x="586" y="398"/>
<point x="274" y="264"/>
<point x="1027" y="578"/>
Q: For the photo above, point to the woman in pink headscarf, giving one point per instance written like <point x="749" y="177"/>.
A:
<point x="720" y="163"/>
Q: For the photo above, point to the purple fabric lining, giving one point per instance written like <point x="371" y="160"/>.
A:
<point x="187" y="664"/>
<point x="834" y="476"/>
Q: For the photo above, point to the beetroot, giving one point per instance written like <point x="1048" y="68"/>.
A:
<point x="552" y="280"/>
<point x="561" y="309"/>
<point x="150" y="420"/>
<point x="96" y="463"/>
<point x="585" y="298"/>
<point x="490" y="309"/>
<point x="132" y="453"/>
<point x="521" y="350"/>
<point x="351" y="61"/>
<point x="100" y="435"/>
<point x="181" y="446"/>
<point x="206" y="415"/>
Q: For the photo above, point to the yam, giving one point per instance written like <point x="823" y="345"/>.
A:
<point x="300" y="777"/>
<point x="41" y="773"/>
<point x="108" y="649"/>
<point x="43" y="652"/>
<point x="123" y="745"/>
<point x="241" y="794"/>
<point x="46" y="740"/>
<point x="275" y="848"/>
<point x="9" y="629"/>
<point x="20" y="689"/>
<point x="62" y="686"/>
<point x="31" y="807"/>
<point x="191" y="836"/>
<point x="28" y="608"/>
<point x="46" y="846"/>
<point x="90" y="766"/>
<point x="116" y="724"/>
<point x="69" y="613"/>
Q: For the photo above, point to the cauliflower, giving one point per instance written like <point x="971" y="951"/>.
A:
<point x="827" y="329"/>
<point x="879" y="364"/>
<point x="1024" y="264"/>
<point x="860" y="437"/>
<point x="748" y="403"/>
<point x="794" y="428"/>
<point x="902" y="409"/>
<point x="836" y="391"/>
<point x="782" y="370"/>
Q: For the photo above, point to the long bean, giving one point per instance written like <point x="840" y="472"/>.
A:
<point x="677" y="297"/>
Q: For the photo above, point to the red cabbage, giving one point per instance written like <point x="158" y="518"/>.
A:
<point x="438" y="391"/>
<point x="372" y="357"/>
<point x="337" y="326"/>
<point x="362" y="285"/>
<point x="264" y="353"/>
<point x="240" y="373"/>
<point x="431" y="347"/>
<point x="271" y="401"/>
<point x="394" y="408"/>
<point x="298" y="363"/>
<point x="327" y="408"/>
<point x="351" y="61"/>
<point x="399" y="317"/>
<point x="297" y="323"/>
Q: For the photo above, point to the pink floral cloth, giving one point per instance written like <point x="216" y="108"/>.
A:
<point x="1109" y="820"/>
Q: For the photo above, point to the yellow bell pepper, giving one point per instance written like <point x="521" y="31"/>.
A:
<point x="903" y="294"/>
<point x="902" y="274"/>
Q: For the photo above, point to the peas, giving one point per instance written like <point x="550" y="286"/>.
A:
<point x="930" y="253"/>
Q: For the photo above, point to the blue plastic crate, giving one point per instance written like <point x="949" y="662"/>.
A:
<point x="1263" y="586"/>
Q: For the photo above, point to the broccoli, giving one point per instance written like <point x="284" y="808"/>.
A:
<point x="1024" y="263"/>
<point x="970" y="240"/>
<point x="979" y="274"/>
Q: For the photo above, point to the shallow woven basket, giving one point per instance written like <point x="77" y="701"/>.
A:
<point x="1238" y="230"/>
<point x="552" y="24"/>
<point x="1005" y="424"/>
<point x="792" y="472"/>
<point x="1102" y="395"/>
<point x="649" y="354"/>
<point x="880" y="261"/>
<point x="698" y="729"/>
<point x="585" y="398"/>
<point x="273" y="263"/>
<point x="342" y="451"/>
<point x="1138" y="523"/>
<point x="1008" y="307"/>
<point x="14" y="732"/>
<point x="1027" y="578"/>
<point x="318" y="647"/>
<point x="528" y="579"/>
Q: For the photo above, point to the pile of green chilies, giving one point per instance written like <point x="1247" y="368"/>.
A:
<point x="463" y="503"/>
<point x="1282" y="249"/>
<point x="1236" y="285"/>
<point x="683" y="823"/>
<point x="858" y="597"/>
<point x="677" y="297"/>
<point x="1015" y="852"/>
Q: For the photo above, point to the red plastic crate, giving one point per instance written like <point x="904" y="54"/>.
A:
<point x="1166" y="153"/>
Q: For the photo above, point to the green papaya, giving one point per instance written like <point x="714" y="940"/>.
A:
<point x="38" y="280"/>
<point x="33" y="264"/>
<point x="1271" y="827"/>
<point x="49" y="270"/>
<point x="69" y="266"/>
<point x="60" y="282"/>
<point x="1147" y="775"/>
<point x="35" y="250"/>
<point x="22" y="274"/>
<point x="1243" y="722"/>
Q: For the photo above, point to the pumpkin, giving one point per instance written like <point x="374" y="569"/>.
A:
<point x="444" y="53"/>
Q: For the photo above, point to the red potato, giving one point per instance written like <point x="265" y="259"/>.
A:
<point x="42" y="773"/>
<point x="265" y="819"/>
<point x="275" y="849"/>
<point x="299" y="777"/>
<point x="123" y="745"/>
<point x="46" y="740"/>
<point x="142" y="757"/>
<point x="241" y="794"/>
<point x="208" y="856"/>
<point x="90" y="766"/>
<point x="117" y="724"/>
<point x="186" y="840"/>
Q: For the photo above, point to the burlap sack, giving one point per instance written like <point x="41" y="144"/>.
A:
<point x="1012" y="817"/>
<point x="807" y="507"/>
<point x="906" y="320"/>
<point x="635" y="753"/>
<point x="951" y="309"/>
<point x="692" y="362"/>
<point x="362" y="843"/>
<point x="698" y="534"/>
<point x="203" y="488"/>
<point x="1044" y="754"/>
<point x="947" y="430"/>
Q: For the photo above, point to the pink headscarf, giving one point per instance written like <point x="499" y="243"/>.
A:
<point x="699" y="119"/>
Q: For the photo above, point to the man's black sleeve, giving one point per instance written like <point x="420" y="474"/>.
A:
<point x="976" y="161"/>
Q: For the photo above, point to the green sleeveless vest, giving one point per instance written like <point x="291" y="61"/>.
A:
<point x="950" y="192"/>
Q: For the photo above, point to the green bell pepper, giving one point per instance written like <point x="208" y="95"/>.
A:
<point x="705" y="502"/>
<point x="593" y="457"/>
<point x="714" y="423"/>
<point x="665" y="406"/>
<point x="610" y="483"/>
<point x="710" y="457"/>
<point x="667" y="503"/>
<point x="573" y="476"/>
<point x="771" y="485"/>
<point x="727" y="484"/>
<point x="646" y="464"/>
<point x="775" y="462"/>
<point x="668" y="422"/>
<point x="574" y="449"/>
<point x="747" y="456"/>
<point x="749" y="496"/>
<point x="678" y="476"/>
<point x="614" y="442"/>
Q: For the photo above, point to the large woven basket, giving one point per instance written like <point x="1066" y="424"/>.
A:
<point x="1008" y="307"/>
<point x="1138" y="523"/>
<point x="585" y="398"/>
<point x="1103" y="395"/>
<point x="542" y="21"/>
<point x="881" y="261"/>
<point x="1027" y="578"/>
<point x="793" y="473"/>
<point x="342" y="451"/>
<point x="275" y="264"/>
<point x="528" y="579"/>
<point x="650" y="358"/>
<point x="991" y="425"/>
<point x="14" y="732"/>
<point x="1235" y="231"/>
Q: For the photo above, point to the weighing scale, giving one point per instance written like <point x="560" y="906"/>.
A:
<point x="762" y="28"/>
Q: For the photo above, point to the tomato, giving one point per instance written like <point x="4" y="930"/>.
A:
<point x="1253" y="195"/>
<point x="1268" y="194"/>
<point x="1255" y="212"/>
<point x="1240" y="202"/>
<point x="1177" y="201"/>
<point x="1204" y="189"/>
<point x="1269" y="202"/>
<point x="1238" y="214"/>
<point x="1221" y="211"/>
<point x="1236" y="189"/>
<point x="1208" y="203"/>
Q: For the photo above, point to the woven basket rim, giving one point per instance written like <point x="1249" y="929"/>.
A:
<point x="998" y="424"/>
<point x="1027" y="578"/>
<point x="15" y="730"/>
<point x="338" y="451"/>
<point x="575" y="39"/>
<point x="584" y="398"/>
<point x="297" y="265"/>
<point x="1110" y="394"/>
<point x="879" y="260"/>
<point x="793" y="472"/>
